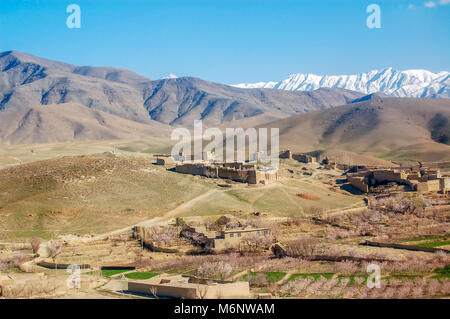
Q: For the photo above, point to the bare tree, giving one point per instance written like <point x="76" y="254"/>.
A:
<point x="254" y="243"/>
<point x="153" y="291"/>
<point x="35" y="244"/>
<point x="202" y="291"/>
<point x="163" y="236"/>
<point x="214" y="270"/>
<point x="54" y="249"/>
<point x="306" y="247"/>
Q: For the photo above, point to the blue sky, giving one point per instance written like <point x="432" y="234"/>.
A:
<point x="232" y="41"/>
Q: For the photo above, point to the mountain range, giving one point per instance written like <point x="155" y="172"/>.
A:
<point x="27" y="81"/>
<point x="47" y="101"/>
<point x="409" y="83"/>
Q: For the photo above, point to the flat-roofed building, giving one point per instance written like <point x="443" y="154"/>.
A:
<point x="189" y="287"/>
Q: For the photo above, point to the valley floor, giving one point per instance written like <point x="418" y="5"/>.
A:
<point x="89" y="197"/>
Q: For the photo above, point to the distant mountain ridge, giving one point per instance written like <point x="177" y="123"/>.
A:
<point x="409" y="83"/>
<point x="45" y="101"/>
<point x="28" y="81"/>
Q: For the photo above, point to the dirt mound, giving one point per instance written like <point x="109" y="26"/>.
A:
<point x="308" y="196"/>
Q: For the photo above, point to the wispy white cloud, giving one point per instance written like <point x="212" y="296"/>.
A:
<point x="433" y="4"/>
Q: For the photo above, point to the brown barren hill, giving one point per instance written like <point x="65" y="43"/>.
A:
<point x="391" y="128"/>
<point x="71" y="122"/>
<point x="27" y="81"/>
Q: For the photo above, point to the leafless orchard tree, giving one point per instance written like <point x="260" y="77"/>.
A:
<point x="35" y="244"/>
<point x="54" y="249"/>
<point x="305" y="247"/>
<point x="163" y="236"/>
<point x="254" y="244"/>
<point x="214" y="270"/>
<point x="153" y="291"/>
<point x="202" y="292"/>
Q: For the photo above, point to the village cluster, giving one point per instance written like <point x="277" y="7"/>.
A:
<point x="317" y="253"/>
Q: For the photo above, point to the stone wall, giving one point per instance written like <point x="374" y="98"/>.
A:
<point x="383" y="176"/>
<point x="304" y="158"/>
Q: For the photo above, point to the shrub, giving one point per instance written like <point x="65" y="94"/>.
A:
<point x="346" y="267"/>
<point x="296" y="287"/>
<point x="259" y="280"/>
<point x="214" y="270"/>
<point x="163" y="236"/>
<point x="54" y="249"/>
<point x="11" y="261"/>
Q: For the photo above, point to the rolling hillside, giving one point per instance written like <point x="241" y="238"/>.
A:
<point x="383" y="126"/>
<point x="27" y="81"/>
<point x="71" y="122"/>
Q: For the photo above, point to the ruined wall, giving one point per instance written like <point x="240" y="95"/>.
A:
<point x="164" y="161"/>
<point x="360" y="182"/>
<point x="444" y="184"/>
<point x="429" y="186"/>
<point x="304" y="158"/>
<point x="265" y="177"/>
<point x="383" y="176"/>
<point x="286" y="154"/>
<point x="190" y="168"/>
<point x="421" y="181"/>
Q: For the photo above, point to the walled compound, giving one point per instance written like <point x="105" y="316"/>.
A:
<point x="240" y="172"/>
<point x="416" y="178"/>
<point x="189" y="287"/>
<point x="300" y="157"/>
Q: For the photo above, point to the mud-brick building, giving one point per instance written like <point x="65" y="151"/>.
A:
<point x="422" y="180"/>
<point x="300" y="157"/>
<point x="232" y="237"/>
<point x="163" y="159"/>
<point x="189" y="287"/>
<point x="240" y="172"/>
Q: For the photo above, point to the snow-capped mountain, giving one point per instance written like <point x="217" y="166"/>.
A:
<point x="170" y="76"/>
<point x="409" y="83"/>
